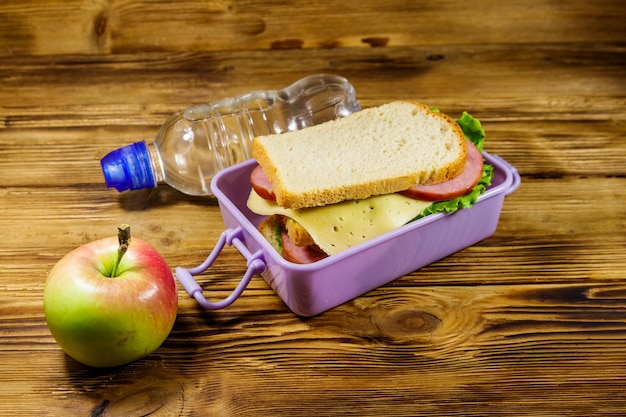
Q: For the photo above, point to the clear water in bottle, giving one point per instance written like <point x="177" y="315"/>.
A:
<point x="193" y="145"/>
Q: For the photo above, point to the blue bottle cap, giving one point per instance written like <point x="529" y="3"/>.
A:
<point x="128" y="168"/>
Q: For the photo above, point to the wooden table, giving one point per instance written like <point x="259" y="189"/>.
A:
<point x="531" y="321"/>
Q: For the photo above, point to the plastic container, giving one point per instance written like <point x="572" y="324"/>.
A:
<point x="195" y="144"/>
<point x="313" y="288"/>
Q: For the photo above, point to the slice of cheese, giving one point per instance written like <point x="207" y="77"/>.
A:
<point x="337" y="227"/>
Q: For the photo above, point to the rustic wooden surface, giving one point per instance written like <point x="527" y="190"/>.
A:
<point x="531" y="321"/>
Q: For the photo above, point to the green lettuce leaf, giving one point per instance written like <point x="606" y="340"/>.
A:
<point x="473" y="132"/>
<point x="472" y="129"/>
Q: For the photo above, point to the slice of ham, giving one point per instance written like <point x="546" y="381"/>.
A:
<point x="262" y="184"/>
<point x="299" y="254"/>
<point x="455" y="187"/>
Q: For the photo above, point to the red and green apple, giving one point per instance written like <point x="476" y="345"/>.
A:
<point x="111" y="301"/>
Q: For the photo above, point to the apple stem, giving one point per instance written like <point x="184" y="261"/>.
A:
<point x="123" y="237"/>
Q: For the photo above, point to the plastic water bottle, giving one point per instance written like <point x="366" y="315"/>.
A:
<point x="193" y="145"/>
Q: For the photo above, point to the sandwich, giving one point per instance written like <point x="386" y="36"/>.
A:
<point x="329" y="187"/>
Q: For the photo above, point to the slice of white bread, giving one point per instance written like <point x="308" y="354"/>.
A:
<point x="379" y="150"/>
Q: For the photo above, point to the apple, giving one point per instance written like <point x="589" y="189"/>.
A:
<point x="111" y="302"/>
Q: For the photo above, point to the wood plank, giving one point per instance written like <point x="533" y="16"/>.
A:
<point x="36" y="27"/>
<point x="566" y="80"/>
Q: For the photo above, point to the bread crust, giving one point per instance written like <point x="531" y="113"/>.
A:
<point x="273" y="154"/>
<point x="270" y="229"/>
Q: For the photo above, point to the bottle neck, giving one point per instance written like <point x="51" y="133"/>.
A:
<point x="158" y="171"/>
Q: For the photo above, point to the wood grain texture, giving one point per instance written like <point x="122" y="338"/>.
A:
<point x="529" y="322"/>
<point x="36" y="27"/>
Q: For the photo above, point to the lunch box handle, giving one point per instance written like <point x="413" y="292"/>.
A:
<point x="255" y="265"/>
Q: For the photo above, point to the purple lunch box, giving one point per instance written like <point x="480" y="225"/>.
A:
<point x="314" y="288"/>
